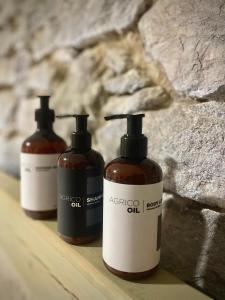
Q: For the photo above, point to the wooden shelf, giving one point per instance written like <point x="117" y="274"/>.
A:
<point x="53" y="269"/>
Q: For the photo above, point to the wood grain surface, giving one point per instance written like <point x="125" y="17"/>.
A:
<point x="53" y="269"/>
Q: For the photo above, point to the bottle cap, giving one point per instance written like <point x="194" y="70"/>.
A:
<point x="44" y="115"/>
<point x="81" y="138"/>
<point x="133" y="143"/>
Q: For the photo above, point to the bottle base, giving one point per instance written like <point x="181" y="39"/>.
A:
<point x="79" y="240"/>
<point x="41" y="215"/>
<point x="131" y="276"/>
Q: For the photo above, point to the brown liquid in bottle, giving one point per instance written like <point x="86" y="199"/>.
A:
<point x="125" y="171"/>
<point x="132" y="168"/>
<point x="43" y="141"/>
<point x="92" y="162"/>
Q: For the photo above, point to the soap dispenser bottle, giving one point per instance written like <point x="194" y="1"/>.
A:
<point x="132" y="206"/>
<point x="39" y="155"/>
<point x="80" y="187"/>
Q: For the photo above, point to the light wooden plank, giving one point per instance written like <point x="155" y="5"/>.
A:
<point x="53" y="269"/>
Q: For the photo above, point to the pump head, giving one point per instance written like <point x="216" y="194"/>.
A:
<point x="133" y="143"/>
<point x="44" y="116"/>
<point x="81" y="138"/>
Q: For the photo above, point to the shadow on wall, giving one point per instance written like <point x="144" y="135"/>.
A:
<point x="214" y="271"/>
<point x="193" y="240"/>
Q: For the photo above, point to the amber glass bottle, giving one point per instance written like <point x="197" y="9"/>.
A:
<point x="39" y="155"/>
<point x="80" y="188"/>
<point x="132" y="207"/>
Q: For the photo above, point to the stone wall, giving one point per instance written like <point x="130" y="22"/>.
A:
<point x="110" y="56"/>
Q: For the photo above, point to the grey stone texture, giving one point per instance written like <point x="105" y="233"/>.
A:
<point x="82" y="23"/>
<point x="187" y="38"/>
<point x="8" y="107"/>
<point x="193" y="244"/>
<point x="10" y="151"/>
<point x="145" y="99"/>
<point x="39" y="25"/>
<point x="117" y="59"/>
<point x="126" y="83"/>
<point x="45" y="27"/>
<point x="188" y="142"/>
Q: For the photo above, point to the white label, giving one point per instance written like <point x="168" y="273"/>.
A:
<point x="39" y="181"/>
<point x="131" y="226"/>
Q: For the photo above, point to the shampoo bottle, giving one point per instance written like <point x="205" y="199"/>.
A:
<point x="39" y="155"/>
<point x="132" y="206"/>
<point x="80" y="187"/>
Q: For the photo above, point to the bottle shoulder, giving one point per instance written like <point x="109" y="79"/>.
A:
<point x="43" y="143"/>
<point x="126" y="171"/>
<point x="76" y="160"/>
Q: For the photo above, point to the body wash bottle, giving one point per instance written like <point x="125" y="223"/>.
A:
<point x="80" y="188"/>
<point x="132" y="206"/>
<point x="39" y="155"/>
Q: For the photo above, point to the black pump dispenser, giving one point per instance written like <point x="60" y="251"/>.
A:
<point x="134" y="143"/>
<point x="44" y="116"/>
<point x="81" y="138"/>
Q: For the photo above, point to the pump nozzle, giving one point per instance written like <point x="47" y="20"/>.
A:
<point x="134" y="122"/>
<point x="44" y="115"/>
<point x="134" y="143"/>
<point x="81" y="138"/>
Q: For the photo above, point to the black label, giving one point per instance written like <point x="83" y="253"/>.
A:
<point x="80" y="202"/>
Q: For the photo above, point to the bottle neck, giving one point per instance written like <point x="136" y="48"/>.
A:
<point x="48" y="127"/>
<point x="81" y="141"/>
<point x="134" y="147"/>
<point x="133" y="160"/>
